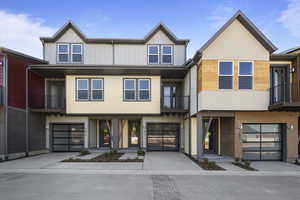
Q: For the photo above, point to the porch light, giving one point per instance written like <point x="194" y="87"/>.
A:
<point x="292" y="70"/>
<point x="241" y="127"/>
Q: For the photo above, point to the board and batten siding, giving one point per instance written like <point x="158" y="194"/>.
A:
<point x="118" y="54"/>
<point x="113" y="98"/>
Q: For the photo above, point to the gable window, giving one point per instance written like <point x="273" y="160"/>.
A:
<point x="63" y="53"/>
<point x="245" y="75"/>
<point x="166" y="54"/>
<point x="153" y="54"/>
<point x="76" y="53"/>
<point x="97" y="89"/>
<point x="130" y="89"/>
<point x="225" y="75"/>
<point x="144" y="89"/>
<point x="82" y="87"/>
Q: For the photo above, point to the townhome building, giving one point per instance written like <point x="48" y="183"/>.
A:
<point x="246" y="96"/>
<point x="103" y="93"/>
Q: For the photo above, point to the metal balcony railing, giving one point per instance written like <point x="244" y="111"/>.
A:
<point x="285" y="93"/>
<point x="175" y="103"/>
<point x="55" y="102"/>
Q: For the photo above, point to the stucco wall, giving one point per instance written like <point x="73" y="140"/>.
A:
<point x="291" y="118"/>
<point x="194" y="135"/>
<point x="113" y="97"/>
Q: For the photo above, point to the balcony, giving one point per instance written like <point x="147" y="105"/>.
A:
<point x="175" y="104"/>
<point x="285" y="97"/>
<point x="51" y="104"/>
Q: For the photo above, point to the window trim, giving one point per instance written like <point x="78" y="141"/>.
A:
<point x="102" y="89"/>
<point x="71" y="52"/>
<point x="58" y="53"/>
<point x="158" y="54"/>
<point x="232" y="74"/>
<point x="162" y="54"/>
<point x="88" y="89"/>
<point x="252" y="74"/>
<point x="138" y="89"/>
<point x="124" y="89"/>
<point x="137" y="99"/>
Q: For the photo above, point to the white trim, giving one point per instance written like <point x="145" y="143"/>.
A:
<point x="162" y="54"/>
<point x="158" y="54"/>
<point x="145" y="79"/>
<point x="134" y="89"/>
<point x="79" y="79"/>
<point x="101" y="89"/>
<point x="81" y="52"/>
<point x="66" y="53"/>
<point x="232" y="74"/>
<point x="252" y="74"/>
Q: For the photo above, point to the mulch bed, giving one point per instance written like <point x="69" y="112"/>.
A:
<point x="241" y="165"/>
<point x="209" y="166"/>
<point x="106" y="157"/>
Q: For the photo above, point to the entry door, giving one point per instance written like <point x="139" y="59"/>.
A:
<point x="104" y="133"/>
<point x="211" y="139"/>
<point x="169" y="96"/>
<point x="280" y="84"/>
<point x="133" y="133"/>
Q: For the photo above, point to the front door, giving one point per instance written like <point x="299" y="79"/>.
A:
<point x="55" y="94"/>
<point x="169" y="96"/>
<point x="211" y="139"/>
<point x="279" y="84"/>
<point x="104" y="133"/>
<point x="133" y="133"/>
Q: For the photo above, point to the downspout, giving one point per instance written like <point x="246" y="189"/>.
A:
<point x="190" y="121"/>
<point x="27" y="114"/>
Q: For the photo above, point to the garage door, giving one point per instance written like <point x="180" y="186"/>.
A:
<point x="67" y="137"/>
<point x="262" y="141"/>
<point x="163" y="136"/>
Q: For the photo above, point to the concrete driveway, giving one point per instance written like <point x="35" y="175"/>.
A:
<point x="168" y="161"/>
<point x="275" y="166"/>
<point x="36" y="162"/>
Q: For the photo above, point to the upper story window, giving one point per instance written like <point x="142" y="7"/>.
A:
<point x="63" y="53"/>
<point x="225" y="75"/>
<point x="166" y="54"/>
<point x="76" y="53"/>
<point x="136" y="89"/>
<point x="89" y="89"/>
<point x="69" y="53"/>
<point x="153" y="54"/>
<point x="245" y="75"/>
<point x="160" y="54"/>
<point x="82" y="86"/>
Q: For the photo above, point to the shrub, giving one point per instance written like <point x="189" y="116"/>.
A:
<point x="84" y="152"/>
<point x="140" y="152"/>
<point x="205" y="160"/>
<point x="247" y="163"/>
<point x="211" y="164"/>
<point x="237" y="159"/>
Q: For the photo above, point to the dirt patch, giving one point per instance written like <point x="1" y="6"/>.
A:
<point x="243" y="166"/>
<point x="106" y="157"/>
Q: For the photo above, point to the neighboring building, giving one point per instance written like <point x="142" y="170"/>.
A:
<point x="112" y="93"/>
<point x="247" y="98"/>
<point x="14" y="140"/>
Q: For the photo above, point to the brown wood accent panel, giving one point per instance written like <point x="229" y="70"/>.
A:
<point x="261" y="75"/>
<point x="236" y="74"/>
<point x="209" y="75"/>
<point x="199" y="77"/>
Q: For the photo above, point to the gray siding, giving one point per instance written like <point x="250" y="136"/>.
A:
<point x="37" y="132"/>
<point x="2" y="141"/>
<point x="16" y="130"/>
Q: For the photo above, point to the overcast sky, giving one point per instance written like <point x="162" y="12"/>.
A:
<point x="23" y="22"/>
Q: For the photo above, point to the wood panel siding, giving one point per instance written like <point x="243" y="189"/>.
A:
<point x="208" y="75"/>
<point x="261" y="75"/>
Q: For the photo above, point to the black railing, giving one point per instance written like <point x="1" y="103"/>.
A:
<point x="1" y="95"/>
<point x="285" y="93"/>
<point x="175" y="103"/>
<point x="48" y="102"/>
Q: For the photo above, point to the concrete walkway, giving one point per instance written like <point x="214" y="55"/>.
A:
<point x="275" y="166"/>
<point x="168" y="161"/>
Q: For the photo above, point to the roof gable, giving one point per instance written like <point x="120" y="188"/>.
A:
<point x="243" y="19"/>
<point x="294" y="50"/>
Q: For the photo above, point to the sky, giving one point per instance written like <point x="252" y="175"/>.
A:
<point x="23" y="22"/>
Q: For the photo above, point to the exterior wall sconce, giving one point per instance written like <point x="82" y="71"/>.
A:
<point x="241" y="126"/>
<point x="290" y="126"/>
<point x="292" y="70"/>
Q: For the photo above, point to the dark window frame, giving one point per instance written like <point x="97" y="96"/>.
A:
<point x="70" y="53"/>
<point x="226" y="75"/>
<point x="89" y="89"/>
<point x="137" y="99"/>
<point x="241" y="75"/>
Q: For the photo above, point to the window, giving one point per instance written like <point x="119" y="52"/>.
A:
<point x="76" y="53"/>
<point x="144" y="89"/>
<point x="153" y="54"/>
<point x="225" y="75"/>
<point x="136" y="89"/>
<point x="245" y="75"/>
<point x="166" y="54"/>
<point x="63" y="53"/>
<point x="129" y="89"/>
<point x="82" y="89"/>
<point x="97" y="89"/>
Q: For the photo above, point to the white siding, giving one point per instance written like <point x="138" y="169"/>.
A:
<point x="126" y="54"/>
<point x="193" y="96"/>
<point x="98" y="54"/>
<point x="160" y="38"/>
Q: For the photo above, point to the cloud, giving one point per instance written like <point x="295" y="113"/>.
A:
<point x="21" y="32"/>
<point x="220" y="15"/>
<point x="290" y="17"/>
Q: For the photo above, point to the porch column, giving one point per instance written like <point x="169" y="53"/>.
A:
<point x="115" y="134"/>
<point x="200" y="131"/>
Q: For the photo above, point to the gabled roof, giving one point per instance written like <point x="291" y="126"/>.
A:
<point x="71" y="25"/>
<point x="245" y="21"/>
<point x="290" y="50"/>
<point x="4" y="50"/>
